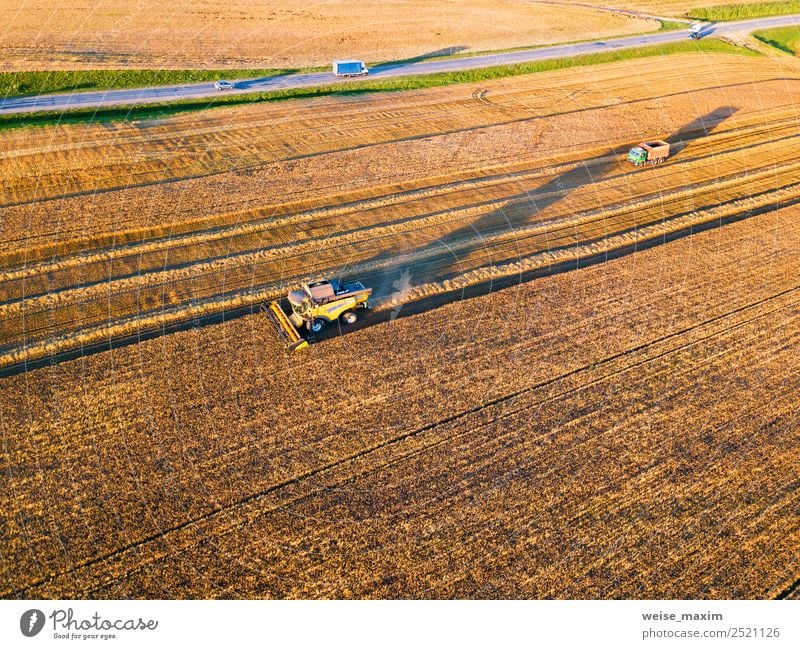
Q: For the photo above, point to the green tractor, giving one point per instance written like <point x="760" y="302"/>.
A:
<point x="653" y="153"/>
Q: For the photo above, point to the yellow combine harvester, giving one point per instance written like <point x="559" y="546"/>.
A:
<point x="316" y="305"/>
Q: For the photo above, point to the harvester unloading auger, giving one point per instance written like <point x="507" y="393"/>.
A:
<point x="316" y="305"/>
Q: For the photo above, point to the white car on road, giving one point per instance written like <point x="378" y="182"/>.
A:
<point x="224" y="85"/>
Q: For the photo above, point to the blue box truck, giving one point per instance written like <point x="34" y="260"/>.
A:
<point x="349" y="68"/>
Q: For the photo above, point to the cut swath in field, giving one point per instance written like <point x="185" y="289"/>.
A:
<point x="480" y="230"/>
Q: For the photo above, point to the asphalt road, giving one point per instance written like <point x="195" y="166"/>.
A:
<point x="131" y="96"/>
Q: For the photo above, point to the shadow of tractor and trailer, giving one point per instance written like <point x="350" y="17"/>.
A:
<point x="441" y="259"/>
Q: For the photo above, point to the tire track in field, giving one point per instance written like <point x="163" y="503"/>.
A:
<point x="790" y="591"/>
<point x="483" y="407"/>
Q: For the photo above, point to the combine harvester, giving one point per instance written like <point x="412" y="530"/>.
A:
<point x="316" y="305"/>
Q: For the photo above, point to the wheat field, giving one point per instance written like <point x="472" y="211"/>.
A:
<point x="590" y="390"/>
<point x="638" y="439"/>
<point x="110" y="231"/>
<point x="107" y="34"/>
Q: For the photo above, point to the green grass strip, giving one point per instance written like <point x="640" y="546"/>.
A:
<point x="416" y="82"/>
<point x="786" y="39"/>
<point x="40" y="83"/>
<point x="742" y="11"/>
<point x="24" y="83"/>
<point x="671" y="25"/>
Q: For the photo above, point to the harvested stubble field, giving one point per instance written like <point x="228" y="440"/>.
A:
<point x="675" y="8"/>
<point x="111" y="230"/>
<point x="625" y="430"/>
<point x="639" y="439"/>
<point x="107" y="34"/>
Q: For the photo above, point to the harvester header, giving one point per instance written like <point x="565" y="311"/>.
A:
<point x="286" y="330"/>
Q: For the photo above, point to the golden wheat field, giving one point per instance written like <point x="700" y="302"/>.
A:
<point x="590" y="390"/>
<point x="99" y="34"/>
<point x="661" y="8"/>
<point x="639" y="439"/>
<point x="111" y="230"/>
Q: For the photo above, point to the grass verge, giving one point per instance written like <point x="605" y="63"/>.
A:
<point x="25" y="83"/>
<point x="671" y="25"/>
<point x="160" y="110"/>
<point x="742" y="11"/>
<point x="786" y="39"/>
<point x="38" y="83"/>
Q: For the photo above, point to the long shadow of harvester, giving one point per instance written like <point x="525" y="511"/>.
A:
<point x="441" y="259"/>
<point x="391" y="65"/>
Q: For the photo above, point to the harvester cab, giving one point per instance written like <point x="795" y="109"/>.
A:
<point x="316" y="305"/>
